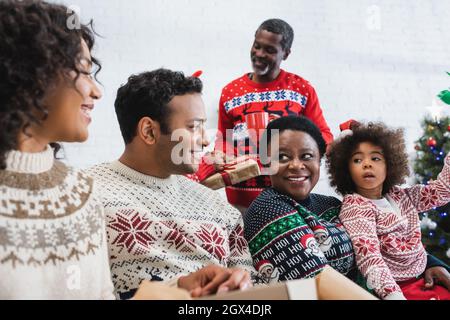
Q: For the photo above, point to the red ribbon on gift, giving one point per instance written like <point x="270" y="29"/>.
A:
<point x="226" y="178"/>
<point x="225" y="175"/>
<point x="231" y="166"/>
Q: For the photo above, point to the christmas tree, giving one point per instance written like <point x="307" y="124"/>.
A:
<point x="431" y="149"/>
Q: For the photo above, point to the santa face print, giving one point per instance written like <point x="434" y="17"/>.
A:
<point x="323" y="239"/>
<point x="310" y="244"/>
<point x="268" y="272"/>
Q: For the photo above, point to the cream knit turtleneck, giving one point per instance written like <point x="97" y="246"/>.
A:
<point x="52" y="231"/>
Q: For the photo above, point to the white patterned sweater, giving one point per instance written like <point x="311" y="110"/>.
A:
<point x="52" y="232"/>
<point x="387" y="242"/>
<point x="159" y="229"/>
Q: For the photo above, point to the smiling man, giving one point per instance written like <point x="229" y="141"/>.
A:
<point x="268" y="89"/>
<point x="161" y="225"/>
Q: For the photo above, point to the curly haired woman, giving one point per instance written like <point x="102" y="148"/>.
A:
<point x="382" y="219"/>
<point x="52" y="229"/>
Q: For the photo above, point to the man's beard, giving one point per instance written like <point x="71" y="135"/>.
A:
<point x="258" y="71"/>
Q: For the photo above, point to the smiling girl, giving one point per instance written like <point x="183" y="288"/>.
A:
<point x="382" y="219"/>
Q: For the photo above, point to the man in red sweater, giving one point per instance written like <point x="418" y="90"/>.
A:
<point x="268" y="89"/>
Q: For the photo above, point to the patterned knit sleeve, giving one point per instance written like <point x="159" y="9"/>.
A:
<point x="359" y="219"/>
<point x="107" y="285"/>
<point x="435" y="194"/>
<point x="239" y="252"/>
<point x="314" y="112"/>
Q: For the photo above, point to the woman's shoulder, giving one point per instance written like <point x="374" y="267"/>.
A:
<point x="267" y="207"/>
<point x="68" y="192"/>
<point x="270" y="199"/>
<point x="324" y="199"/>
<point x="79" y="181"/>
<point x="326" y="207"/>
<point x="269" y="204"/>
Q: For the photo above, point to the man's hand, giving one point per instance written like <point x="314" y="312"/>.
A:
<point x="437" y="275"/>
<point x="214" y="279"/>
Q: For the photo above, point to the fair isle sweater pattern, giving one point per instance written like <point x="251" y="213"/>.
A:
<point x="159" y="229"/>
<point x="51" y="227"/>
<point x="42" y="242"/>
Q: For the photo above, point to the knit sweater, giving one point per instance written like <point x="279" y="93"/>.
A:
<point x="52" y="232"/>
<point x="159" y="229"/>
<point x="387" y="243"/>
<point x="290" y="240"/>
<point x="289" y="94"/>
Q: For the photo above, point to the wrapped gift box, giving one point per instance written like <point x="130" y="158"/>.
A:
<point x="328" y="285"/>
<point x="233" y="174"/>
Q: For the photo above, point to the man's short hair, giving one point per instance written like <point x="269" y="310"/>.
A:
<point x="279" y="26"/>
<point x="147" y="95"/>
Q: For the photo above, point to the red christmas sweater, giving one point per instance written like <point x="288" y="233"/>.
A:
<point x="289" y="94"/>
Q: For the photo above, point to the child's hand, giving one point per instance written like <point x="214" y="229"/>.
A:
<point x="437" y="275"/>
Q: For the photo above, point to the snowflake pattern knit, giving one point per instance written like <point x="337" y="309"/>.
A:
<point x="159" y="229"/>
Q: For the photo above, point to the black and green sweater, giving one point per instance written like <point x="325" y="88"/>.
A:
<point x="290" y="240"/>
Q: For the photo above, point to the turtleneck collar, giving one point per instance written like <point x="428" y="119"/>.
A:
<point x="34" y="163"/>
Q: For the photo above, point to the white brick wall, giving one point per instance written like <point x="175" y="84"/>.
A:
<point x="371" y="60"/>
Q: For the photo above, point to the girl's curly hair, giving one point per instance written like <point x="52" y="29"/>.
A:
<point x="390" y="140"/>
<point x="37" y="47"/>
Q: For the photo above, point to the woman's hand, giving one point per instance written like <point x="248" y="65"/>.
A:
<point x="437" y="275"/>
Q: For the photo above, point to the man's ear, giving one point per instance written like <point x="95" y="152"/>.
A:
<point x="148" y="130"/>
<point x="287" y="52"/>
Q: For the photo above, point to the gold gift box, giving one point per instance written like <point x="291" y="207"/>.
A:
<point x="239" y="172"/>
<point x="328" y="285"/>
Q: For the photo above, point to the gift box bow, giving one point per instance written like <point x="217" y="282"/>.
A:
<point x="225" y="177"/>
